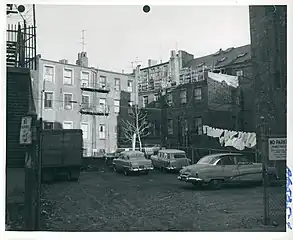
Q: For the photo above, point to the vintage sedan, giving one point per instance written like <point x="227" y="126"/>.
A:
<point x="170" y="160"/>
<point x="216" y="169"/>
<point x="132" y="161"/>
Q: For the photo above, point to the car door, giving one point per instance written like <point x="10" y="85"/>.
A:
<point x="229" y="168"/>
<point x="156" y="160"/>
<point x="248" y="172"/>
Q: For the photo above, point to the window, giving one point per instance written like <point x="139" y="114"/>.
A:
<point x="117" y="84"/>
<point x="197" y="123"/>
<point x="242" y="160"/>
<point x="103" y="81"/>
<point x="85" y="151"/>
<point x="85" y="79"/>
<point x="116" y="106"/>
<point x="169" y="99"/>
<point x="85" y="101"/>
<point x="85" y="128"/>
<point x="68" y="125"/>
<point x="183" y="99"/>
<point x="48" y="101"/>
<point x="48" y="73"/>
<point x="170" y="126"/>
<point x="129" y="85"/>
<point x="156" y="97"/>
<point x="197" y="93"/>
<point x="68" y="76"/>
<point x="102" y="104"/>
<point x="179" y="155"/>
<point x="102" y="131"/>
<point x="48" y="125"/>
<point x="227" y="160"/>
<point x="68" y="105"/>
<point x="145" y="101"/>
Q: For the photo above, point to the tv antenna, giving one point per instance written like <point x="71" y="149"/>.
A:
<point x="82" y="40"/>
<point x="136" y="62"/>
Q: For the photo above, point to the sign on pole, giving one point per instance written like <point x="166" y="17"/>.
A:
<point x="277" y="149"/>
<point x="26" y="130"/>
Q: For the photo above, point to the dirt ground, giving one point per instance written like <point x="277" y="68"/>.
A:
<point x="107" y="201"/>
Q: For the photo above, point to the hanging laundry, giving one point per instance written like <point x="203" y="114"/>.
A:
<point x="217" y="132"/>
<point x="209" y="129"/>
<point x="222" y="141"/>
<point x="226" y="135"/>
<point x="251" y="140"/>
<point x="244" y="138"/>
<point x="238" y="142"/>
<point x="229" y="142"/>
<point x="204" y="127"/>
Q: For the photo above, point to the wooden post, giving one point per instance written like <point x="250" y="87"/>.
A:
<point x="28" y="138"/>
<point x="263" y="151"/>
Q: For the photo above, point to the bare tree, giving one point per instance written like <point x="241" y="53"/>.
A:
<point x="136" y="127"/>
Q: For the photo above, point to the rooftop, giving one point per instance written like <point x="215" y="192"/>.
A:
<point x="222" y="57"/>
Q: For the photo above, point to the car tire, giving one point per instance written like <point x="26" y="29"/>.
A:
<point x="126" y="173"/>
<point x="215" y="184"/>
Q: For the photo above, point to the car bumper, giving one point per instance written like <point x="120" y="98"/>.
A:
<point x="175" y="168"/>
<point x="189" y="179"/>
<point x="140" y="169"/>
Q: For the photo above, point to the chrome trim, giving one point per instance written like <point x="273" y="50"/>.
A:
<point x="189" y="179"/>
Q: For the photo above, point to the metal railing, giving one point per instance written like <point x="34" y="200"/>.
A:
<point x="21" y="46"/>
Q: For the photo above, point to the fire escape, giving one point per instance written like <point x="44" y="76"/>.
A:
<point x="20" y="40"/>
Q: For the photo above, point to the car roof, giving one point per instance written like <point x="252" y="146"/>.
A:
<point x="130" y="152"/>
<point x="171" y="151"/>
<point x="224" y="154"/>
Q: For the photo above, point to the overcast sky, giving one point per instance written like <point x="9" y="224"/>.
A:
<point x="117" y="35"/>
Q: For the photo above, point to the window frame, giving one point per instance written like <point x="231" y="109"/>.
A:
<point x="87" y="132"/>
<point x="44" y="124"/>
<point x="85" y="95"/>
<point x="129" y="88"/>
<point x="143" y="101"/>
<point x="104" y="127"/>
<point x="117" y="87"/>
<point x="101" y="83"/>
<point x="81" y="78"/>
<point x="67" y="93"/>
<point x="196" y="127"/>
<point x="184" y="98"/>
<point x="172" y="126"/>
<point x="44" y="71"/>
<point x="72" y="76"/>
<point x="44" y="105"/>
<point x="196" y="97"/>
<point x="115" y="106"/>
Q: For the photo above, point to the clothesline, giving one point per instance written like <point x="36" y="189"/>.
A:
<point x="229" y="138"/>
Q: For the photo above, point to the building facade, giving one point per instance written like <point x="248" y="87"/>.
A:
<point x="80" y="97"/>
<point x="186" y="108"/>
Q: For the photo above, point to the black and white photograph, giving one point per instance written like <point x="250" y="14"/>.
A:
<point x="146" y="118"/>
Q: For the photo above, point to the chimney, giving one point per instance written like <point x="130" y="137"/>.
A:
<point x="63" y="61"/>
<point x="151" y="62"/>
<point x="82" y="59"/>
<point x="173" y="53"/>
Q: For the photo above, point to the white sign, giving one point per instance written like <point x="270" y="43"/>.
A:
<point x="26" y="130"/>
<point x="277" y="149"/>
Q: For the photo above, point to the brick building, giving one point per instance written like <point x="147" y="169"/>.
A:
<point x="193" y="74"/>
<point x="77" y="96"/>
<point x="189" y="106"/>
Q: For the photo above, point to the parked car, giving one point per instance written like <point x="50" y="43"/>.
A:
<point x="216" y="169"/>
<point x="170" y="160"/>
<point x="132" y="161"/>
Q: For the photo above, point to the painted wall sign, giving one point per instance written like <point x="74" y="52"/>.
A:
<point x="26" y="131"/>
<point x="277" y="149"/>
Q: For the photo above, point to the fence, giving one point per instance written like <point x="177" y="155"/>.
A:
<point x="21" y="46"/>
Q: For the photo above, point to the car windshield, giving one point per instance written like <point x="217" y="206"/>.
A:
<point x="136" y="155"/>
<point x="179" y="155"/>
<point x="208" y="160"/>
